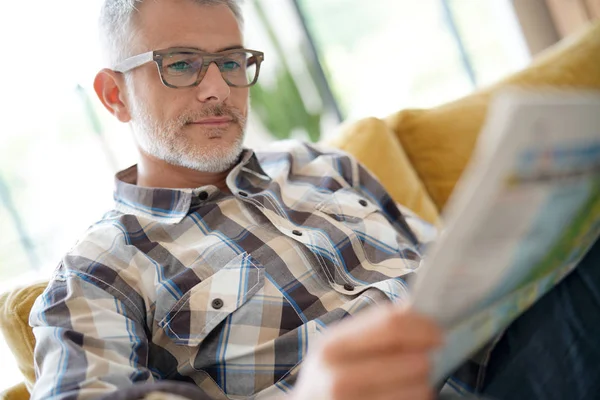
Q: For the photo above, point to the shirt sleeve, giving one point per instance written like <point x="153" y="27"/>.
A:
<point x="88" y="341"/>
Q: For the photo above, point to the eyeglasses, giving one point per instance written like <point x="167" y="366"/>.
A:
<point x="183" y="67"/>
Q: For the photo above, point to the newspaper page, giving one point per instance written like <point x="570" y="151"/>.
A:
<point x="524" y="214"/>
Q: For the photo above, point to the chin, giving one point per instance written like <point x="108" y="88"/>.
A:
<point x="218" y="156"/>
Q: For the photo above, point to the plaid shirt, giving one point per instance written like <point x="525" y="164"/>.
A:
<point x="224" y="291"/>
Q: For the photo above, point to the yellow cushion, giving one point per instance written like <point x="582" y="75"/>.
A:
<point x="439" y="141"/>
<point x="376" y="147"/>
<point x="14" y="322"/>
<point x="18" y="392"/>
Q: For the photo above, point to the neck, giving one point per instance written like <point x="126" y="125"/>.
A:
<point x="156" y="173"/>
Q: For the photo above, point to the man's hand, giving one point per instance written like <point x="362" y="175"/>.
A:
<point x="381" y="354"/>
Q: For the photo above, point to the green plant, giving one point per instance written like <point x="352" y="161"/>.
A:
<point x="280" y="107"/>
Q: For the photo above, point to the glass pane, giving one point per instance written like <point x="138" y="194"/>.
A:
<point x="492" y="37"/>
<point x="13" y="247"/>
<point x="386" y="55"/>
<point x="289" y="100"/>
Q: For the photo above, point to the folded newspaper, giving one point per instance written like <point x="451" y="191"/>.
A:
<point x="524" y="214"/>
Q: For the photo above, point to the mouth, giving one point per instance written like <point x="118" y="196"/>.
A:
<point x="213" y="121"/>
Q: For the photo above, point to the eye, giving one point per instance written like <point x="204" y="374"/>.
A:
<point x="180" y="67"/>
<point x="230" y="65"/>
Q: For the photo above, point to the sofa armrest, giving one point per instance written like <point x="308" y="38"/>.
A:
<point x="14" y="325"/>
<point x="17" y="392"/>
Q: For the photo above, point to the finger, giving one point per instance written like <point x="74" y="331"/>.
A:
<point x="361" y="379"/>
<point x="384" y="330"/>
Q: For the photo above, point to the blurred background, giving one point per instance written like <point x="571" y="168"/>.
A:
<point x="326" y="62"/>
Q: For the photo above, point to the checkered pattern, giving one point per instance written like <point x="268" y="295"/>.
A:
<point x="224" y="291"/>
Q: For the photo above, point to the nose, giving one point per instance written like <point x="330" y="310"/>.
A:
<point x="213" y="88"/>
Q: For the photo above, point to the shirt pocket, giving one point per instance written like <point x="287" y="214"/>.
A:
<point x="368" y="229"/>
<point x="208" y="303"/>
<point x="346" y="205"/>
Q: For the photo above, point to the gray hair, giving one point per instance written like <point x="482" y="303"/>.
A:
<point x="117" y="28"/>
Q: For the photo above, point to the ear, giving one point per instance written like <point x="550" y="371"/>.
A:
<point x="109" y="87"/>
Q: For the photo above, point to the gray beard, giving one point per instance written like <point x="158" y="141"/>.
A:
<point x="166" y="141"/>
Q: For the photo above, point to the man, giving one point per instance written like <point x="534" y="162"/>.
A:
<point x="219" y="268"/>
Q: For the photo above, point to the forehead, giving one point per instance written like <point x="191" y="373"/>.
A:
<point x="184" y="23"/>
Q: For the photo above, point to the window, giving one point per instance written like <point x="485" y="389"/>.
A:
<point x="382" y="56"/>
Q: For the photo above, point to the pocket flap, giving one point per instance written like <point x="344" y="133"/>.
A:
<point x="200" y="310"/>
<point x="347" y="205"/>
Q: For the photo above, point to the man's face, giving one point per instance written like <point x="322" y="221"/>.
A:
<point x="201" y="127"/>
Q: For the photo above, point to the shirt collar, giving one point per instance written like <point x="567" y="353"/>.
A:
<point x="172" y="205"/>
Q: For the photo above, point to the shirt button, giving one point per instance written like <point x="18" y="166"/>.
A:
<point x="363" y="202"/>
<point x="243" y="194"/>
<point x="297" y="233"/>
<point x="203" y="196"/>
<point x="348" y="287"/>
<point x="217" y="303"/>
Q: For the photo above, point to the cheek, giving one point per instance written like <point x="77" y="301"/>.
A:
<point x="171" y="104"/>
<point x="239" y="99"/>
<point x="151" y="95"/>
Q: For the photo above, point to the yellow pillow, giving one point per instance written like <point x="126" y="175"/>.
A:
<point x="14" y="323"/>
<point x="439" y="141"/>
<point x="376" y="147"/>
<point x="18" y="392"/>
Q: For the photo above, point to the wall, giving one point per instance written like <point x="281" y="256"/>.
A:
<point x="545" y="22"/>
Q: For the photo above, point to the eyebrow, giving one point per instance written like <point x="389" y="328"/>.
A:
<point x="233" y="47"/>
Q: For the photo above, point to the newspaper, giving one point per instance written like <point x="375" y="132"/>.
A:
<point x="524" y="214"/>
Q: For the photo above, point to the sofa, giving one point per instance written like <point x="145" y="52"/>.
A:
<point x="417" y="154"/>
